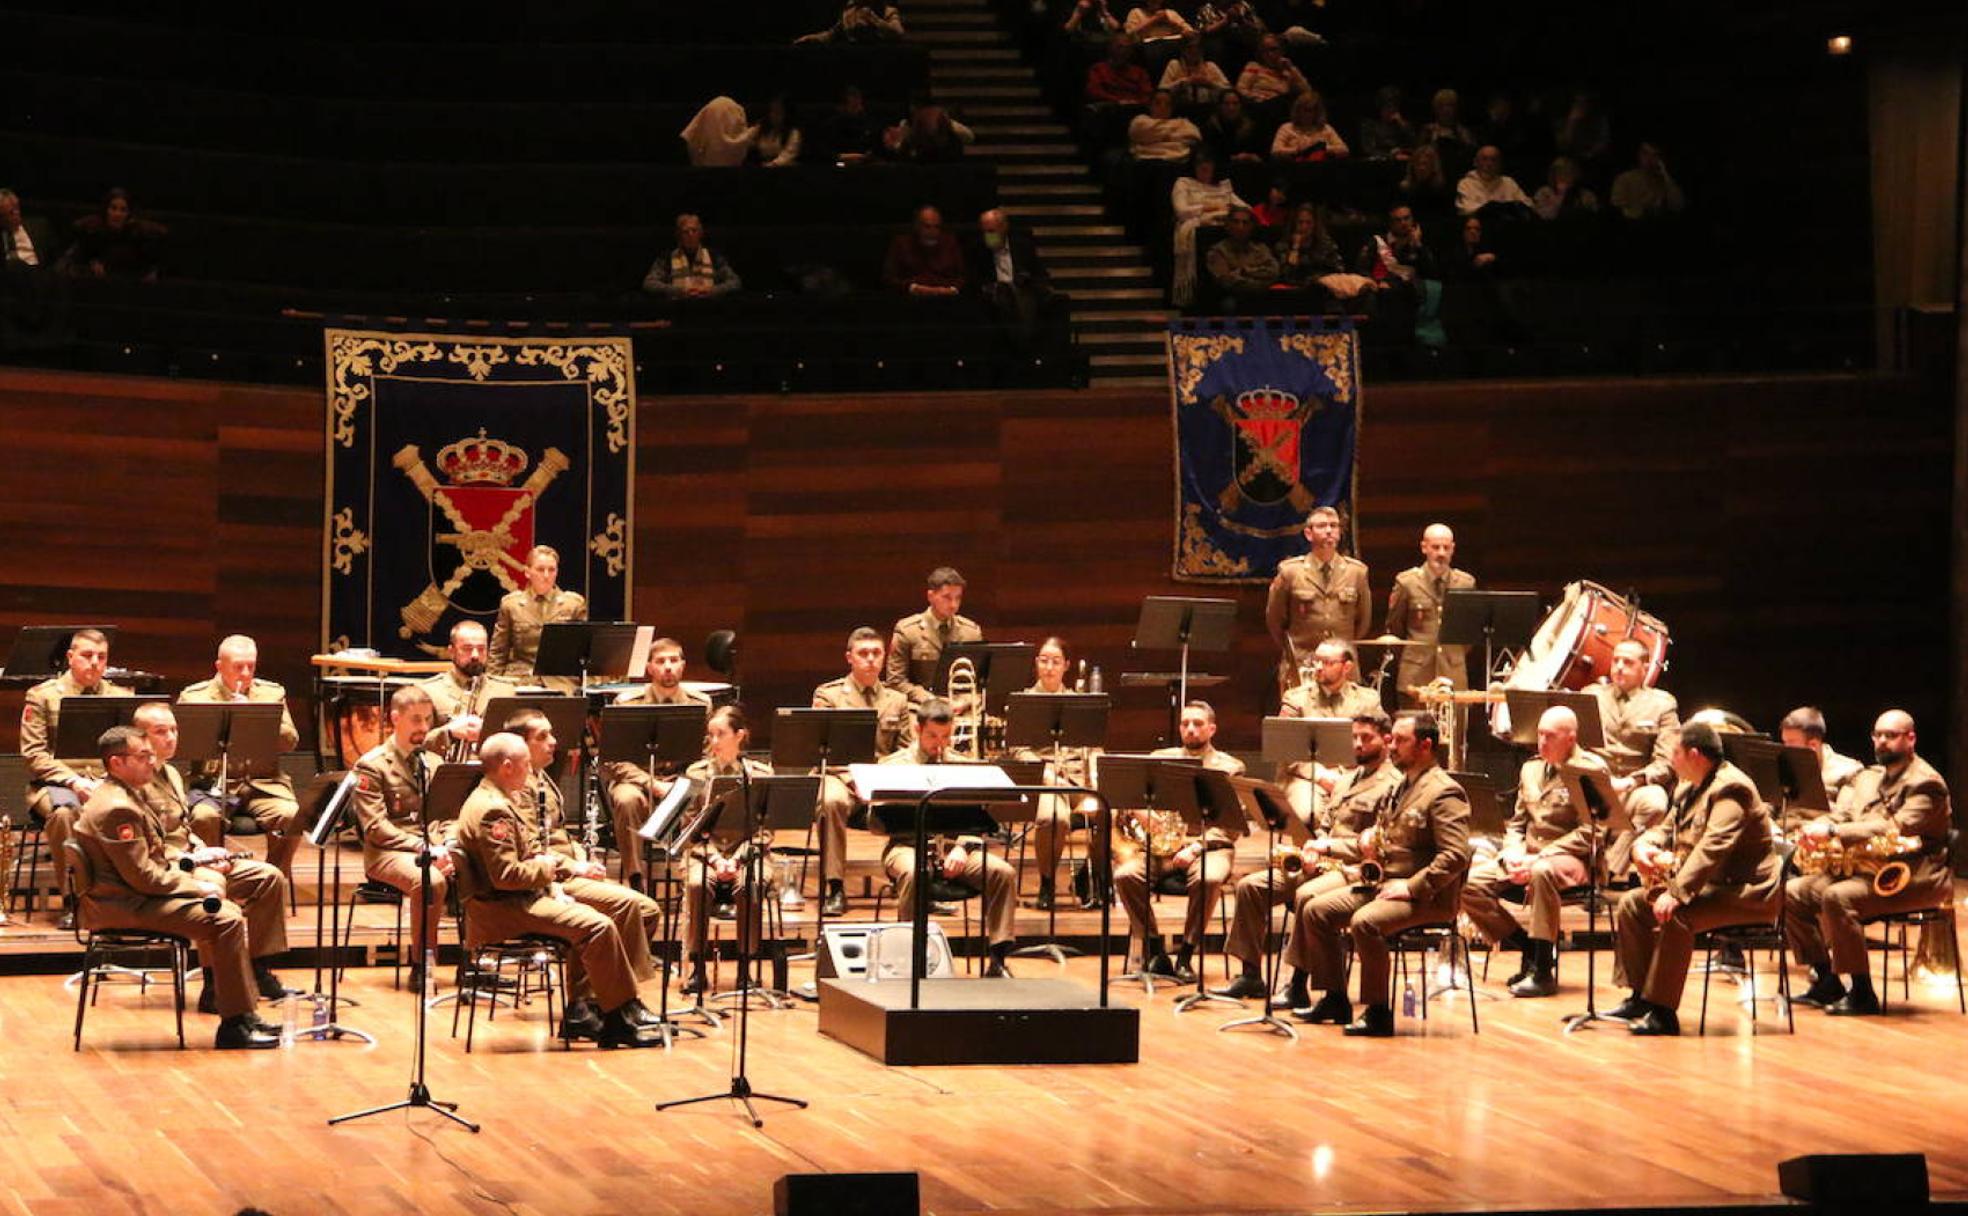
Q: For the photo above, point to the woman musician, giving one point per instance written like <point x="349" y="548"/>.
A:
<point x="1073" y="766"/>
<point x="721" y="859"/>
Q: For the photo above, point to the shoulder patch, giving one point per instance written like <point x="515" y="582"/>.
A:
<point x="127" y="832"/>
<point x="501" y="830"/>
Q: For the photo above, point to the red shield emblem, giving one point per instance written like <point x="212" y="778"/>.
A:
<point x="1265" y="425"/>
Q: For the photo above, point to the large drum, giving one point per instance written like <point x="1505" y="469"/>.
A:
<point x="351" y="714"/>
<point x="1573" y="648"/>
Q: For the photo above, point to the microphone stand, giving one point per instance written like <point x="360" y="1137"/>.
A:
<point x="420" y="1095"/>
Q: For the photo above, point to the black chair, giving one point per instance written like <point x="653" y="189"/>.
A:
<point x="1933" y="918"/>
<point x="370" y="893"/>
<point x="538" y="963"/>
<point x="1435" y="935"/>
<point x="101" y="948"/>
<point x="1749" y="939"/>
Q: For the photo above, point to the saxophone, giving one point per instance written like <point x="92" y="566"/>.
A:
<point x="1161" y="833"/>
<point x="1886" y="857"/>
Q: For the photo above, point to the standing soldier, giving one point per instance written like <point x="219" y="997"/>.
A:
<point x="1414" y="612"/>
<point x="1321" y="595"/>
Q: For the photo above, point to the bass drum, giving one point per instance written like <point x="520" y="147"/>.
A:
<point x="1573" y="648"/>
<point x="351" y="715"/>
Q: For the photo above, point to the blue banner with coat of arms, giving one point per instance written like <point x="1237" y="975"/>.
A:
<point x="1267" y="418"/>
<point x="450" y="458"/>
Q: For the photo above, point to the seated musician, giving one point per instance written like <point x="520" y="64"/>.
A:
<point x="965" y="862"/>
<point x="1640" y="724"/>
<point x="720" y="864"/>
<point x="634" y="791"/>
<point x="57" y="788"/>
<point x="1547" y="848"/>
<point x="918" y="640"/>
<point x="460" y="694"/>
<point x="1805" y="727"/>
<point x="1320" y="864"/>
<point x="1420" y="841"/>
<point x="391" y="779"/>
<point x="1333" y="693"/>
<point x="524" y="613"/>
<point x="895" y="729"/>
<point x="1711" y="862"/>
<point x="137" y="885"/>
<point x="1901" y="800"/>
<point x="1074" y="766"/>
<point x="196" y="831"/>
<point x="512" y="884"/>
<point x="1170" y="858"/>
<point x="635" y="915"/>
<point x="270" y="801"/>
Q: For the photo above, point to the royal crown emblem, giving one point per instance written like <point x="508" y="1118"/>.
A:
<point x="481" y="461"/>
<point x="1260" y="403"/>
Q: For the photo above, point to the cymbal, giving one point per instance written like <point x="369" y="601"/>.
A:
<point x="1390" y="640"/>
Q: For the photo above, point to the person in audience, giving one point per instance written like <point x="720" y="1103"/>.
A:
<point x="1472" y="259"/>
<point x="861" y="21"/>
<point x="1005" y="265"/>
<point x="1308" y="136"/>
<point x="1194" y="80"/>
<point x="1270" y="80"/>
<point x="1092" y="19"/>
<point x="1155" y="21"/>
<point x="1562" y="195"/>
<point x="775" y="140"/>
<point x="924" y="261"/>
<point x="849" y="136"/>
<point x="25" y="244"/>
<point x="1444" y="128"/>
<point x="1274" y="213"/>
<point x="1584" y="133"/>
<point x="691" y="271"/>
<point x="1199" y="200"/>
<point x="1159" y="134"/>
<point x="114" y="243"/>
<point x="1118" y="80"/>
<point x="1506" y="128"/>
<point x="1486" y="189"/>
<point x="1232" y="28"/>
<point x="1647" y="191"/>
<point x="1239" y="265"/>
<point x="928" y="135"/>
<point x="1230" y="134"/>
<point x="1404" y="272"/>
<point x="1306" y="252"/>
<point x="718" y="136"/>
<point x="27" y="260"/>
<point x="1426" y="186"/>
<point x="1387" y="135"/>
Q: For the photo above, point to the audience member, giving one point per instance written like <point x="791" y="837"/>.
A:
<point x="1230" y="134"/>
<point x="1444" y="129"/>
<point x="1160" y="135"/>
<point x="861" y="21"/>
<point x="1273" y="213"/>
<point x="718" y="135"/>
<point x="1425" y="186"/>
<point x="25" y="244"/>
<point x="923" y="261"/>
<point x="1562" y="195"/>
<point x="1232" y="28"/>
<point x="28" y="287"/>
<point x="114" y="243"/>
<point x="849" y="135"/>
<point x="1405" y="272"/>
<point x="1646" y="191"/>
<point x="1507" y="130"/>
<point x="1584" y="133"/>
<point x="1239" y="265"/>
<point x="1306" y="252"/>
<point x="1486" y="186"/>
<point x="1155" y="21"/>
<point x="1091" y="19"/>
<point x="928" y="135"/>
<point x="775" y="140"/>
<point x="1308" y="136"/>
<point x="1387" y="135"/>
<point x="1194" y="80"/>
<point x="1270" y="80"/>
<point x="690" y="271"/>
<point x="1005" y="263"/>
<point x="1472" y="258"/>
<point x="1198" y="201"/>
<point x="1118" y="80"/>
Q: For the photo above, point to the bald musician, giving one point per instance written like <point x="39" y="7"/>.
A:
<point x="269" y="800"/>
<point x="57" y="786"/>
<point x="1641" y="725"/>
<point x="1321" y="595"/>
<point x="1414" y="612"/>
<point x="460" y="693"/>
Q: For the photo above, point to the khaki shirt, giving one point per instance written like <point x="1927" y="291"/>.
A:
<point x="1309" y="606"/>
<point x="1641" y="729"/>
<point x="1353" y="807"/>
<point x="516" y="635"/>
<point x="725" y="840"/>
<point x="451" y="695"/>
<point x="262" y="692"/>
<point x="623" y="772"/>
<point x="921" y="639"/>
<point x="1424" y="837"/>
<point x="1312" y="701"/>
<point x="40" y="726"/>
<point x="1545" y="823"/>
<point x="500" y="855"/>
<point x="169" y="803"/>
<point x="1837" y="773"/>
<point x="541" y="802"/>
<point x="1911" y="802"/>
<point x="913" y="754"/>
<point x="126" y="849"/>
<point x="389" y="798"/>
<point x="895" y="721"/>
<point x="1723" y="828"/>
<point x="1414" y="611"/>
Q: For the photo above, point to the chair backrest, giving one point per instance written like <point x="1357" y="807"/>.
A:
<point x="78" y="877"/>
<point x="13" y="789"/>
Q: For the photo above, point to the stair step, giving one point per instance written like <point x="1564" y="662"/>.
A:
<point x="920" y="16"/>
<point x="956" y="56"/>
<point x="1053" y="251"/>
<point x="1081" y="274"/>
<point x="947" y="71"/>
<point x="1059" y="151"/>
<point x="999" y="110"/>
<point x="985" y="92"/>
<point x="1038" y="192"/>
<point x="1146" y="316"/>
<point x="1042" y="168"/>
<point x="1141" y="382"/>
<point x="1150" y="295"/>
<point x="1015" y="131"/>
<point x="1129" y="361"/>
<point x="967" y="37"/>
<point x="1063" y="210"/>
<point x="1043" y="231"/>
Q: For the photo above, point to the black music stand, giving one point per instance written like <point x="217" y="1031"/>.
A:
<point x="1327" y="741"/>
<point x="444" y="794"/>
<point x="39" y="651"/>
<point x="666" y="835"/>
<point x="325" y="806"/>
<point x="1490" y="619"/>
<point x="821" y="741"/>
<point x="1267" y="805"/>
<point x="1592" y="789"/>
<point x="1217" y="806"/>
<point x="955" y="809"/>
<point x="1147" y="784"/>
<point x="1048" y="723"/>
<point x="243" y="737"/>
<point x="777" y="804"/>
<point x="653" y="738"/>
<point x="1002" y="668"/>
<point x="1185" y="623"/>
<point x="586" y="650"/>
<point x="1800" y="775"/>
<point x="768" y="803"/>
<point x="1527" y="706"/>
<point x="79" y="730"/>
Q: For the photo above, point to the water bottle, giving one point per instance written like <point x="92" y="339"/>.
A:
<point x="290" y="1018"/>
<point x="1094" y="682"/>
<point x="319" y="1017"/>
<point x="1407" y="998"/>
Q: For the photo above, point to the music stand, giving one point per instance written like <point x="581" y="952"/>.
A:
<point x="819" y="741"/>
<point x="1171" y="622"/>
<point x="1266" y="805"/>
<point x="1489" y="619"/>
<point x="1048" y="723"/>
<point x="1800" y="775"/>
<point x="1527" y="706"/>
<point x="586" y="650"/>
<point x="1217" y="806"/>
<point x="42" y="650"/>
<point x="1591" y="789"/>
<point x="325" y="805"/>
<point x="79" y="730"/>
<point x="567" y="715"/>
<point x="1147" y="784"/>
<point x="770" y="800"/>
<point x="1327" y="741"/>
<point x="666" y="835"/>
<point x="653" y="738"/>
<point x="244" y="738"/>
<point x="1003" y="668"/>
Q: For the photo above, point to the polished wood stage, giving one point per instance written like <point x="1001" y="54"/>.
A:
<point x="1521" y="1115"/>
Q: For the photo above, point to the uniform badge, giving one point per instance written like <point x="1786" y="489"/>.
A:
<point x="501" y="830"/>
<point x="126" y="832"/>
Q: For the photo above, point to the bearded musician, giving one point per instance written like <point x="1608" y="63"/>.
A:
<point x="460" y="694"/>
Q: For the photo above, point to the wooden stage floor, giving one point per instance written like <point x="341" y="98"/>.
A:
<point x="1207" y="1122"/>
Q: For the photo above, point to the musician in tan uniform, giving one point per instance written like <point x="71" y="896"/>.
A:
<point x="966" y="861"/>
<point x="523" y="613"/>
<point x="1414" y="612"/>
<point x="1333" y="844"/>
<point x="197" y="833"/>
<point x="721" y="862"/>
<point x="512" y="885"/>
<point x="1197" y="867"/>
<point x="56" y="788"/>
<point x="460" y="693"/>
<point x="1331" y="694"/>
<point x="895" y="729"/>
<point x="1900" y="796"/>
<point x="1321" y="595"/>
<point x="1640" y="725"/>
<point x="390" y="783"/>
<point x="918" y="640"/>
<point x="634" y="791"/>
<point x="1073" y="766"/>
<point x="136" y="886"/>
<point x="1805" y="727"/>
<point x="1712" y="862"/>
<point x="269" y="800"/>
<point x="1547" y="849"/>
<point x="1421" y="842"/>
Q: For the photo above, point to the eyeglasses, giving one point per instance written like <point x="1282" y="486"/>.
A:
<point x="1890" y="734"/>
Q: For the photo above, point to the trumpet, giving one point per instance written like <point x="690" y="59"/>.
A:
<point x="1887" y="858"/>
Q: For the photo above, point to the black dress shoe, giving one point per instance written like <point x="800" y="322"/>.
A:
<point x="641" y="1015"/>
<point x="1374" y="1022"/>
<point x="271" y="989"/>
<point x="1160" y="965"/>
<point x="582" y="1021"/>
<point x="242" y="1033"/>
<point x="1658" y="1020"/>
<point x="1184" y="973"/>
<point x="67" y="922"/>
<point x="618" y="1029"/>
<point x="1629" y="1009"/>
<point x="835" y="904"/>
<point x="1540" y="982"/>
<point x="1333" y="1009"/>
<point x="696" y="983"/>
<point x="1855" y="1005"/>
<point x="1244" y="987"/>
<point x="997" y="970"/>
<point x="1045" y="901"/>
<point x="1295" y="998"/>
<point x="1822" y="994"/>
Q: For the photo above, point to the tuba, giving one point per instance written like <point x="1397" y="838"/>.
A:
<point x="967" y="735"/>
